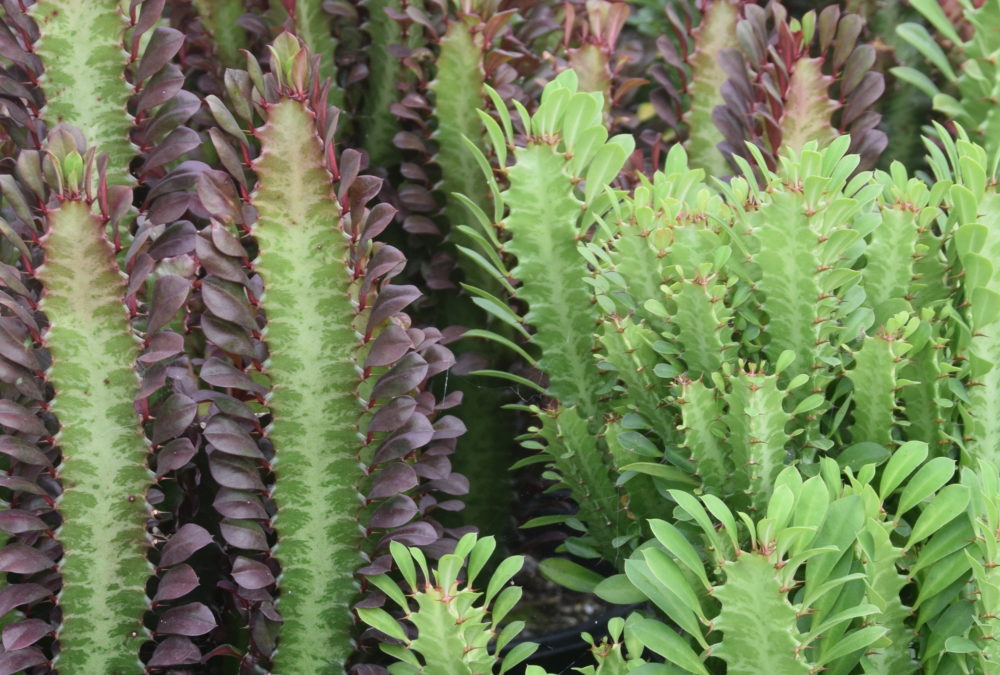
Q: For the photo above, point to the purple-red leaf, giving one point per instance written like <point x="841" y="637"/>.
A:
<point x="192" y="620"/>
<point x="393" y="414"/>
<point x="448" y="426"/>
<point x="188" y="539"/>
<point x="234" y="472"/>
<point x="170" y="292"/>
<point x="397" y="511"/>
<point x="390" y="346"/>
<point x="17" y="595"/>
<point x="177" y="239"/>
<point x="173" y="416"/>
<point x="238" y="504"/>
<point x="228" y="301"/>
<point x="24" y="633"/>
<point x="229" y="437"/>
<point x="174" y="455"/>
<point x="401" y="378"/>
<point x="251" y="574"/>
<point x="22" y="559"/>
<point x="23" y="451"/>
<point x="227" y="336"/>
<point x="218" y="196"/>
<point x="245" y="534"/>
<point x="176" y="583"/>
<point x="164" y="43"/>
<point x="163" y="345"/>
<point x="178" y="142"/>
<point x="388" y="261"/>
<point x="419" y="533"/>
<point x="175" y="651"/>
<point x="415" y="433"/>
<point x="378" y="219"/>
<point x="22" y="659"/>
<point x="220" y="373"/>
<point x="20" y="419"/>
<point x="16" y="521"/>
<point x="391" y="299"/>
<point x="416" y="224"/>
<point x="393" y="479"/>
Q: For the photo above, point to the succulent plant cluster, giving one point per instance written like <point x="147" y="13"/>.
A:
<point x="282" y="282"/>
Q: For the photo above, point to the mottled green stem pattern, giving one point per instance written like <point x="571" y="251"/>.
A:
<point x="314" y="396"/>
<point x="103" y="470"/>
<point x="81" y="45"/>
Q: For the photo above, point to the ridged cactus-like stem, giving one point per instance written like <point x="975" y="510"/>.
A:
<point x="319" y="331"/>
<point x="315" y="400"/>
<point x="716" y="32"/>
<point x="220" y="19"/>
<point x="81" y="45"/>
<point x="104" y="451"/>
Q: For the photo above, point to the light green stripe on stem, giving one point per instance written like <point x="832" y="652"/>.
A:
<point x="314" y="396"/>
<point x="458" y="94"/>
<point x="874" y="379"/>
<point x="543" y="224"/>
<point x="219" y="18"/>
<point x="103" y="471"/>
<point x="80" y="46"/>
<point x="716" y="32"/>
<point x="384" y="70"/>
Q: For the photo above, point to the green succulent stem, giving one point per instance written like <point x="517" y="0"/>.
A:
<point x="543" y="224"/>
<point x="717" y="31"/>
<point x="220" y="19"/>
<point x="103" y="471"/>
<point x="378" y="122"/>
<point x="314" y="343"/>
<point x="81" y="46"/>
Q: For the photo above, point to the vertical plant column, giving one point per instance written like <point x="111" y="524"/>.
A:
<point x="220" y="19"/>
<point x="976" y="241"/>
<point x="458" y="96"/>
<point x="546" y="219"/>
<point x="315" y="400"/>
<point x="310" y="21"/>
<point x="756" y="421"/>
<point x="345" y="373"/>
<point x="694" y="62"/>
<point x="876" y="381"/>
<point x="783" y="97"/>
<point x="95" y="83"/>
<point x="81" y="45"/>
<point x="104" y="450"/>
<point x="384" y="72"/>
<point x="801" y="264"/>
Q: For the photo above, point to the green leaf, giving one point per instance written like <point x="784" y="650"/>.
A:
<point x="932" y="11"/>
<point x="917" y="79"/>
<point x="504" y="573"/>
<point x="666" y="571"/>
<point x="922" y="41"/>
<point x="662" y="640"/>
<point x="380" y="619"/>
<point x="664" y="471"/>
<point x="569" y="574"/>
<point x="928" y="480"/>
<point x="852" y="642"/>
<point x="947" y="505"/>
<point x="903" y="462"/>
<point x="861" y="454"/>
<point x="618" y="590"/>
